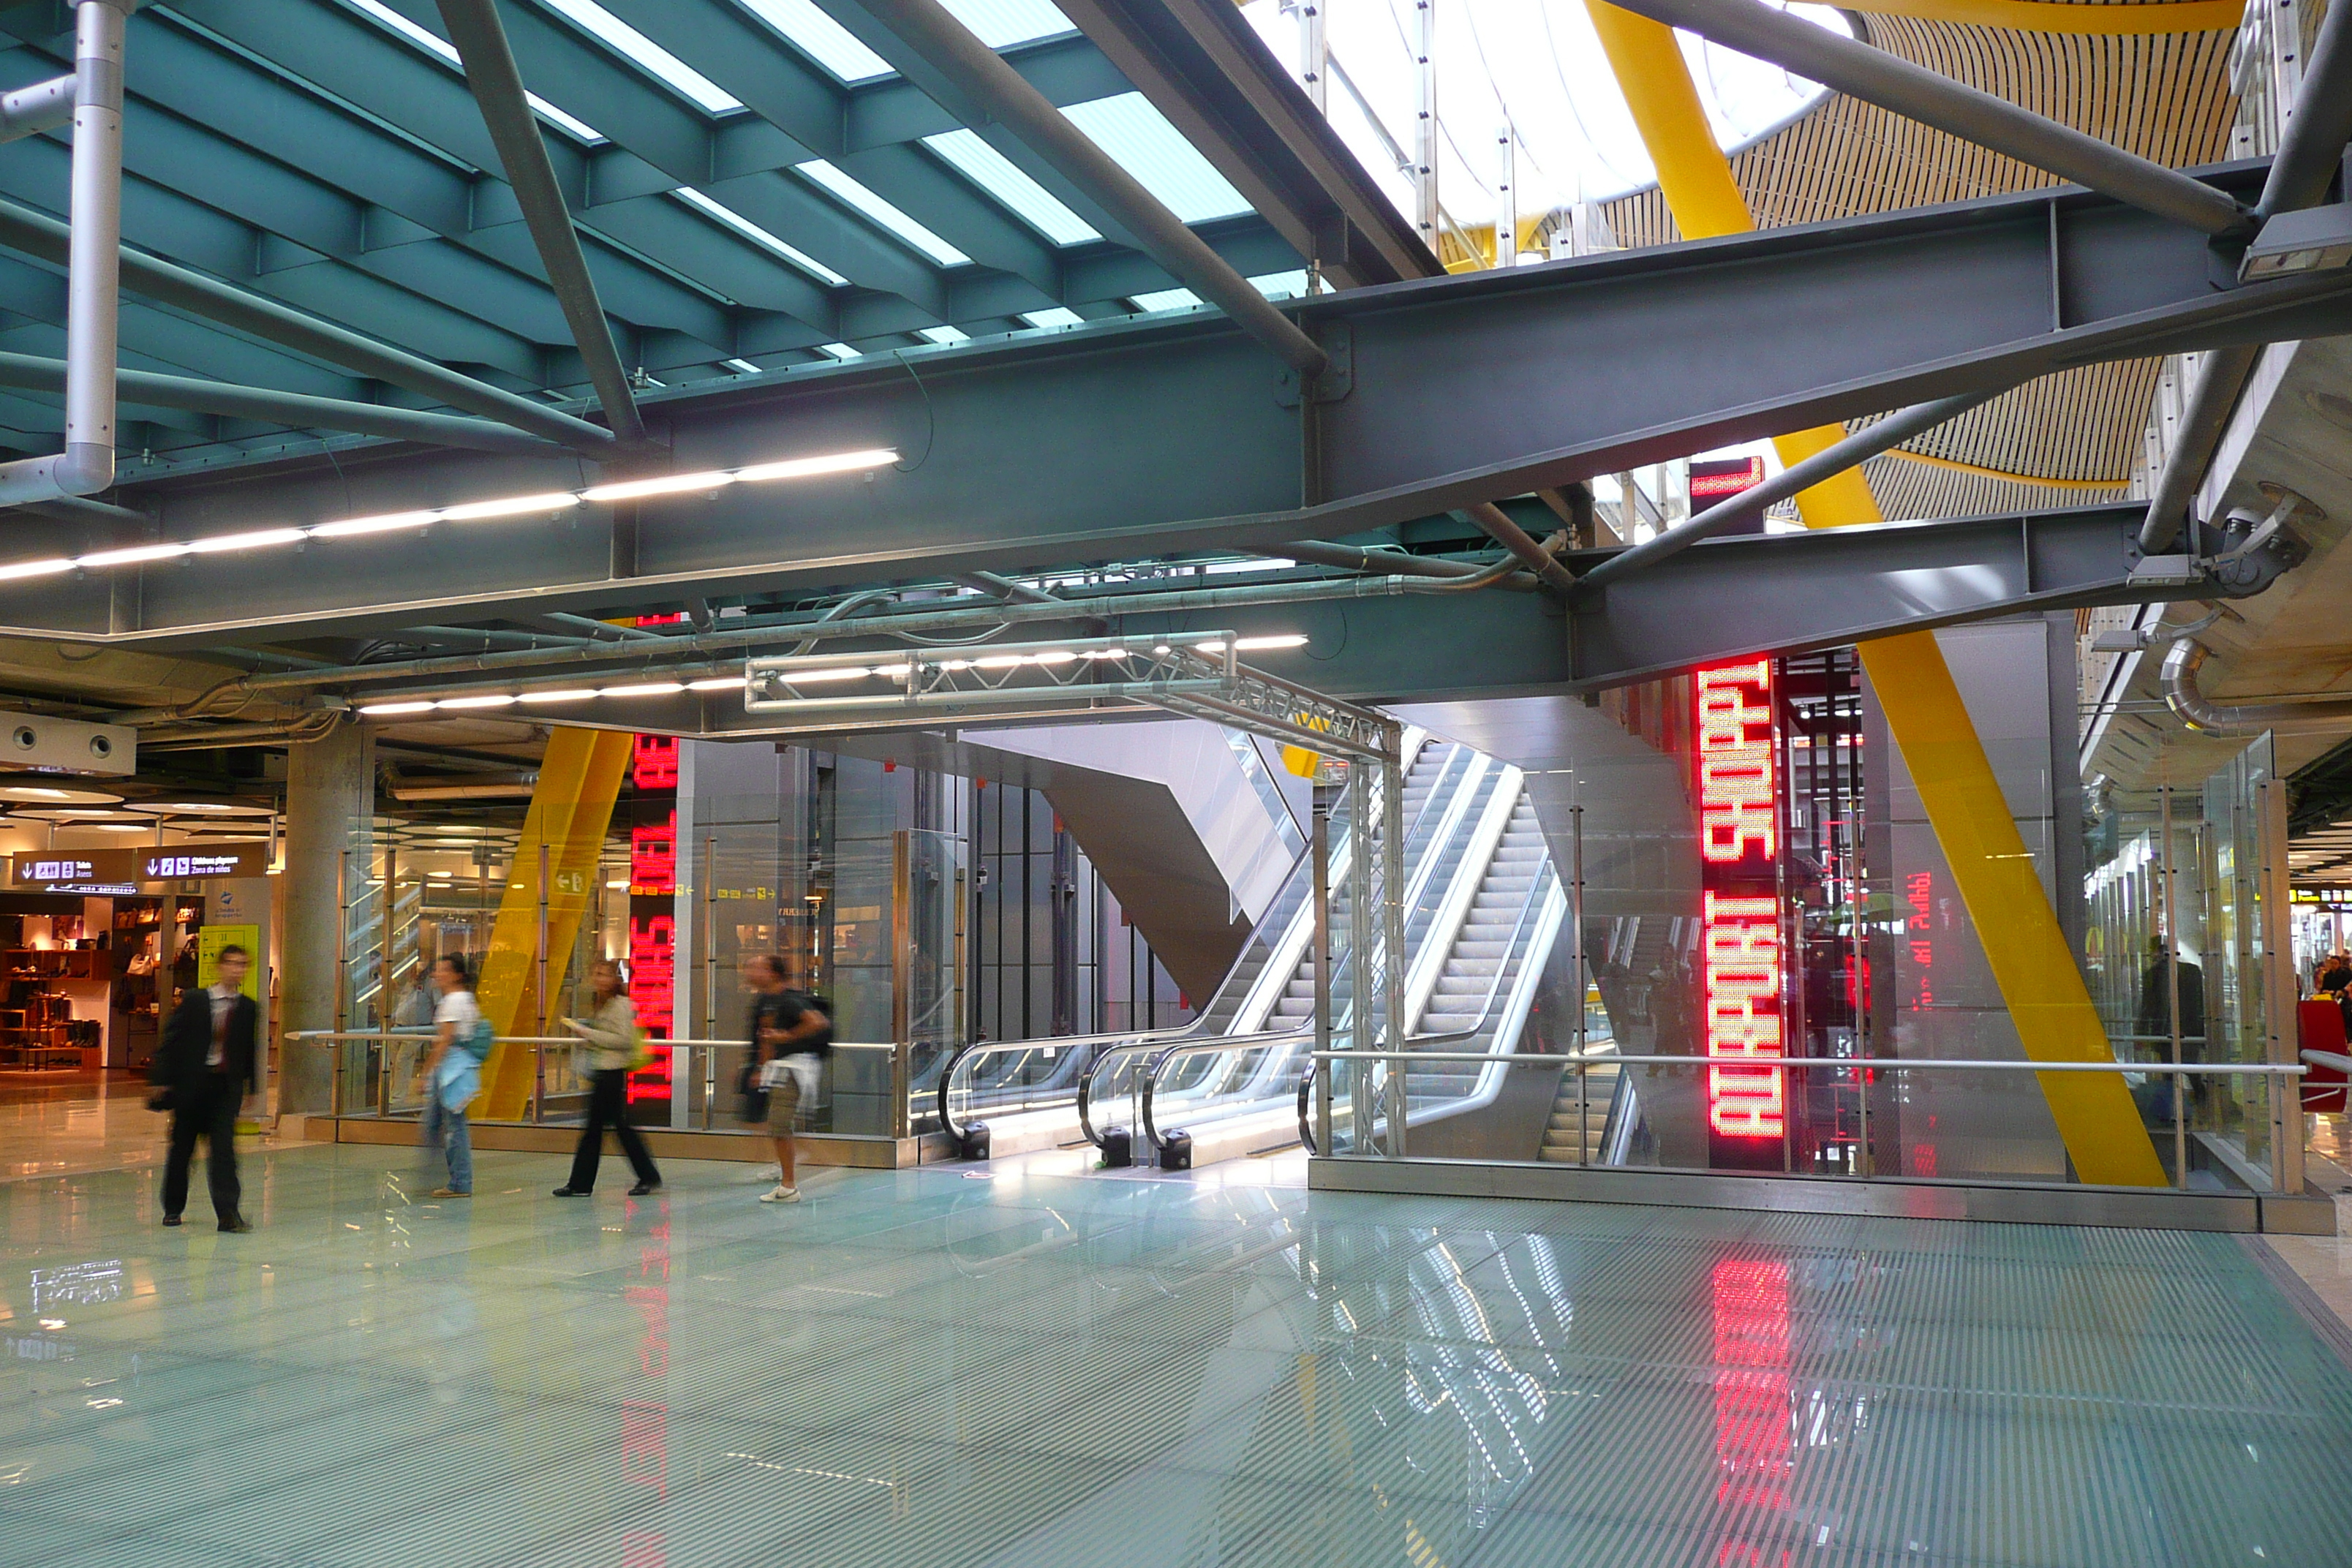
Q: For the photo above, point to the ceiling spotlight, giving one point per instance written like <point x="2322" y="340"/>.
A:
<point x="2315" y="240"/>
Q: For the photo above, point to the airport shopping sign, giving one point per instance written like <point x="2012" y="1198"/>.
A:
<point x="1741" y="941"/>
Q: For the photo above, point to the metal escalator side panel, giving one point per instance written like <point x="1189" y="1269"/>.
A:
<point x="1477" y="865"/>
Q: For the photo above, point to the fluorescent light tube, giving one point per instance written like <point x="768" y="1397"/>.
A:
<point x="132" y="556"/>
<point x="379" y="708"/>
<point x="255" y="541"/>
<point x="512" y="506"/>
<point x="667" y="485"/>
<point x="47" y="568"/>
<point x="645" y="688"/>
<point x="804" y="468"/>
<point x="488" y="700"/>
<point x="580" y="694"/>
<point x="386" y="523"/>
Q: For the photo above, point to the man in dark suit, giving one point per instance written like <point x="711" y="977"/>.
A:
<point x="207" y="1063"/>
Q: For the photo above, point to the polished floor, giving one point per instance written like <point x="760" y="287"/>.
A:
<point x="1024" y="1369"/>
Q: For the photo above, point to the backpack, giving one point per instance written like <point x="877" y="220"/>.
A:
<point x="820" y="1043"/>
<point x="476" y="1042"/>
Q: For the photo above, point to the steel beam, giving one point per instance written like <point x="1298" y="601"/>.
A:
<point x="1914" y="91"/>
<point x="1124" y="440"/>
<point x="138" y="386"/>
<point x="1203" y="65"/>
<point x="1737" y="598"/>
<point x="37" y="235"/>
<point x="490" y="71"/>
<point x="2311" y="147"/>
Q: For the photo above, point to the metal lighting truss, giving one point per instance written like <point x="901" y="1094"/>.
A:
<point x="1200" y="677"/>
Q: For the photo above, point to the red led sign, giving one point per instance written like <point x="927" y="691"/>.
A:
<point x="653" y="891"/>
<point x="1713" y="481"/>
<point x="1741" y="941"/>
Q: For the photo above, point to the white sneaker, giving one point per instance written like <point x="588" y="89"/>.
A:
<point x="782" y="1194"/>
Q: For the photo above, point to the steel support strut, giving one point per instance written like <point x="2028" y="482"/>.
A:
<point x="93" y="280"/>
<point x="1798" y="477"/>
<point x="975" y="69"/>
<point x="298" y="409"/>
<point x="497" y="83"/>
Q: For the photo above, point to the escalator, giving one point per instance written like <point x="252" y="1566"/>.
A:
<point x="1027" y="1091"/>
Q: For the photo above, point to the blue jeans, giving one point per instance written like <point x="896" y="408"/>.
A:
<point x="446" y="1128"/>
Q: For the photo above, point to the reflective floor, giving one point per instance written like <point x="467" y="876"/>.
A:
<point x="951" y="1366"/>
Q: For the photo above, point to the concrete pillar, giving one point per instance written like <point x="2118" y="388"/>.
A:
<point x="329" y="812"/>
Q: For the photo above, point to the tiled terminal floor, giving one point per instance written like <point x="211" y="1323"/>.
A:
<point x="954" y="1367"/>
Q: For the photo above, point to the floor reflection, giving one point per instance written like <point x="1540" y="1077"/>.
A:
<point x="1022" y="1366"/>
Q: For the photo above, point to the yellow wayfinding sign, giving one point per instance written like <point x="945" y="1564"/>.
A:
<point x="571" y="811"/>
<point x="1991" y="865"/>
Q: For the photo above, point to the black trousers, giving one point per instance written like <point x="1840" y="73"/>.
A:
<point x="210" y="1113"/>
<point x="608" y="1106"/>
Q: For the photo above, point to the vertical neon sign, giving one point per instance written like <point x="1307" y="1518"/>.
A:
<point x="653" y="889"/>
<point x="1740" y="944"/>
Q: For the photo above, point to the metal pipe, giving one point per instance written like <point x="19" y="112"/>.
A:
<point x="497" y="83"/>
<point x="2193" y="708"/>
<point x="488" y="636"/>
<point x="80" y="508"/>
<point x="93" y="284"/>
<point x="2319" y="122"/>
<point x="39" y="374"/>
<point x="36" y="234"/>
<point x="1855" y="450"/>
<point x="1497" y="525"/>
<point x="43" y="106"/>
<point x="2164" y="869"/>
<point x="1004" y="589"/>
<point x="1182" y="600"/>
<point x="1356" y="558"/>
<point x="951" y="48"/>
<point x="2222" y="375"/>
<point x="1917" y="93"/>
<point x="605" y="629"/>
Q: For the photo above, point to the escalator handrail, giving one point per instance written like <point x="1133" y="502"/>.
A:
<point x="976" y="1051"/>
<point x="1229" y="1043"/>
<point x="1538" y="891"/>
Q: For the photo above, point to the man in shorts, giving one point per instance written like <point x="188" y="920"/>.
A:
<point x="788" y="1030"/>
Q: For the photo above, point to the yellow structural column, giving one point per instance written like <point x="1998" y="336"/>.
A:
<point x="1990" y="864"/>
<point x="570" y="811"/>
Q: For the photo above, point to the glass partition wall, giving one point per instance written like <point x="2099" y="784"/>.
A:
<point x="1765" y="905"/>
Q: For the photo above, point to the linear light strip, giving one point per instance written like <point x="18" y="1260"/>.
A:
<point x="543" y="502"/>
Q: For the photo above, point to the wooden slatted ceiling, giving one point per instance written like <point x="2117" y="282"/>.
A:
<point x="2166" y="97"/>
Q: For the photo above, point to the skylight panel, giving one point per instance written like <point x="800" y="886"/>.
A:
<point x="857" y="196"/>
<point x="432" y="44"/>
<point x="840" y="350"/>
<point x="819" y="36"/>
<point x="648" y="54"/>
<point x="1290" y="285"/>
<point x="1055" y="316"/>
<point x="1140" y="140"/>
<point x="944" y="335"/>
<point x="969" y="155"/>
<point x="1001" y="24"/>
<point x="744" y="365"/>
<point x="1165" y="300"/>
<point x="761" y="237"/>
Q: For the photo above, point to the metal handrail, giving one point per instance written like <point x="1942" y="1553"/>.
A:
<point x="1583" y="1065"/>
<point x="1917" y="1064"/>
<point x="976" y="1051"/>
<point x="539" y="1044"/>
